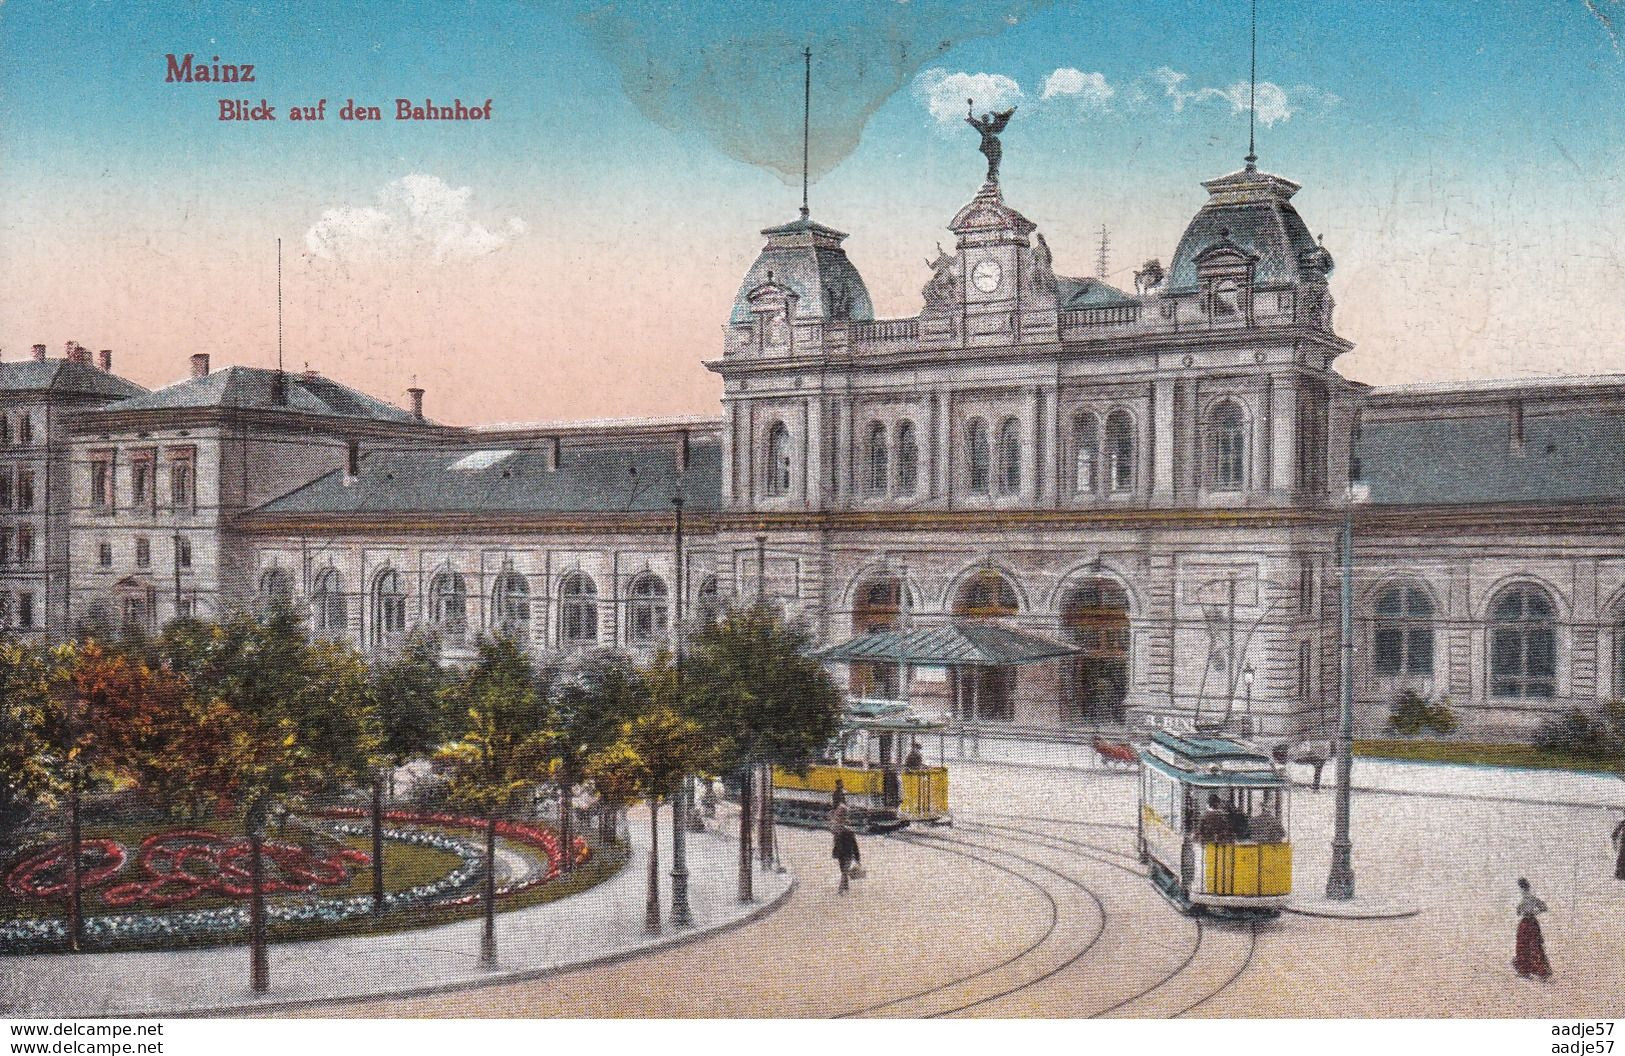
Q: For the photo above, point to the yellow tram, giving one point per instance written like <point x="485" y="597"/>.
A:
<point x="1214" y="825"/>
<point x="878" y="759"/>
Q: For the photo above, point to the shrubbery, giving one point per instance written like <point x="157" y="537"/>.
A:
<point x="1599" y="736"/>
<point x="1412" y="715"/>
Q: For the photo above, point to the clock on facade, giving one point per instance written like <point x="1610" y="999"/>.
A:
<point x="986" y="274"/>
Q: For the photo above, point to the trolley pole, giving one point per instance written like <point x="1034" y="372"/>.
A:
<point x="1340" y="880"/>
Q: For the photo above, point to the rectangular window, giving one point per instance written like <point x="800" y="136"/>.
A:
<point x="101" y="481"/>
<point x="1390" y="649"/>
<point x="5" y="547"/>
<point x="5" y="431"/>
<point x="182" y="480"/>
<point x="25" y="544"/>
<point x="25" y="610"/>
<point x="5" y="487"/>
<point x="25" y="429"/>
<point x="25" y="489"/>
<point x="104" y="554"/>
<point x="1306" y="586"/>
<point x="1304" y="671"/>
<point x="143" y="552"/>
<point x="183" y="609"/>
<point x="183" y="552"/>
<point x="1419" y="656"/>
<point x="143" y="492"/>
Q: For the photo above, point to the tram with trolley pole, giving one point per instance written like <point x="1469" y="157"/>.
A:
<point x="1214" y="825"/>
<point x="877" y="763"/>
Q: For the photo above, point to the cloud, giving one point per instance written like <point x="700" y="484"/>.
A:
<point x="944" y="93"/>
<point x="1274" y="104"/>
<point x="418" y="217"/>
<point x="1089" y="89"/>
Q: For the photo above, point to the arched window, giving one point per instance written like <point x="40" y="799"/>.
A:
<point x="510" y="605"/>
<point x="1120" y="451"/>
<point x="388" y="606"/>
<point x="708" y="603"/>
<point x="908" y="459"/>
<point x="646" y="610"/>
<point x="276" y="589"/>
<point x="778" y="459"/>
<point x="1403" y="639"/>
<point x="1085" y="453"/>
<point x="1523" y="643"/>
<point x="978" y="456"/>
<point x="1010" y="457"/>
<point x="879" y="463"/>
<point x="578" y="610"/>
<point x="328" y="605"/>
<point x="1227" y="448"/>
<point x="448" y="604"/>
<point x="987" y="595"/>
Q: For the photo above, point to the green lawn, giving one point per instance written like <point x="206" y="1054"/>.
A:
<point x="1521" y="755"/>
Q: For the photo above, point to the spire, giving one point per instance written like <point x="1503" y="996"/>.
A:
<point x="806" y="126"/>
<point x="1104" y="257"/>
<point x="1252" y="95"/>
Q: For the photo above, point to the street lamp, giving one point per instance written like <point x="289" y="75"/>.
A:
<point x="680" y="807"/>
<point x="1340" y="879"/>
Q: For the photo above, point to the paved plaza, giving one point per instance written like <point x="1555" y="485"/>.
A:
<point x="1032" y="903"/>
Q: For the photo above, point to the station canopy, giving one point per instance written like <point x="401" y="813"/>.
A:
<point x="952" y="644"/>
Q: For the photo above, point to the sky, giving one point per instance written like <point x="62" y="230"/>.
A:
<point x="576" y="255"/>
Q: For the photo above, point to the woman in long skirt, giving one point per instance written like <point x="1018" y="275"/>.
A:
<point x="1529" y="958"/>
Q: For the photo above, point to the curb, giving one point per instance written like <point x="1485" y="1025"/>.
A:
<point x="1327" y="912"/>
<point x="495" y="978"/>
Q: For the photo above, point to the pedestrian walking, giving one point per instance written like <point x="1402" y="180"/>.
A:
<point x="1529" y="956"/>
<point x="845" y="850"/>
<point x="837" y="798"/>
<point x="1619" y="850"/>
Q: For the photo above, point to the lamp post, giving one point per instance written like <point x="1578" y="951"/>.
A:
<point x="680" y="914"/>
<point x="1340" y="879"/>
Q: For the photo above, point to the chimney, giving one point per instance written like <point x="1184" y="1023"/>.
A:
<point x="311" y="374"/>
<point x="104" y="360"/>
<point x="417" y="401"/>
<point x="39" y="353"/>
<point x="352" y="467"/>
<point x="279" y="389"/>
<point x="77" y="353"/>
<point x="682" y="451"/>
<point x="200" y="364"/>
<point x="550" y="448"/>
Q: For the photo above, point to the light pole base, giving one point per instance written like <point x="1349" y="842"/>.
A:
<point x="680" y="913"/>
<point x="1340" y="880"/>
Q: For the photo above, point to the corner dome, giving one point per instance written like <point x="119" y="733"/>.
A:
<point x="1252" y="212"/>
<point x="807" y="257"/>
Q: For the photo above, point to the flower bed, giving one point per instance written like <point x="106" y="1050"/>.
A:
<point x="179" y="865"/>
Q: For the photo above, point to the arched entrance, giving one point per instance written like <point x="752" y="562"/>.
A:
<point x="1094" y="617"/>
<point x="985" y="694"/>
<point x="876" y="608"/>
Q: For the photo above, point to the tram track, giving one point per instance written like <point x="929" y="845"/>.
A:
<point x="1159" y="987"/>
<point x="948" y="844"/>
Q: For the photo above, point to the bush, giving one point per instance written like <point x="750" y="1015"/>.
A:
<point x="1600" y="736"/>
<point x="1412" y="715"/>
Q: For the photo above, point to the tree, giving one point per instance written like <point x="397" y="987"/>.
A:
<point x="753" y="687"/>
<point x="296" y="730"/>
<point x="406" y="719"/>
<point x="656" y="750"/>
<point x="31" y="751"/>
<point x="499" y="751"/>
<point x="587" y="703"/>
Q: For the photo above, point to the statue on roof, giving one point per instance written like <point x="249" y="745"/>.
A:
<point x="943" y="289"/>
<point x="990" y="125"/>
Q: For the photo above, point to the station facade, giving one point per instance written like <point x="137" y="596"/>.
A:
<point x="1157" y="478"/>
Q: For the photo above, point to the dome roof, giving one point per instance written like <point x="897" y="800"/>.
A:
<point x="807" y="257"/>
<point x="1251" y="210"/>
